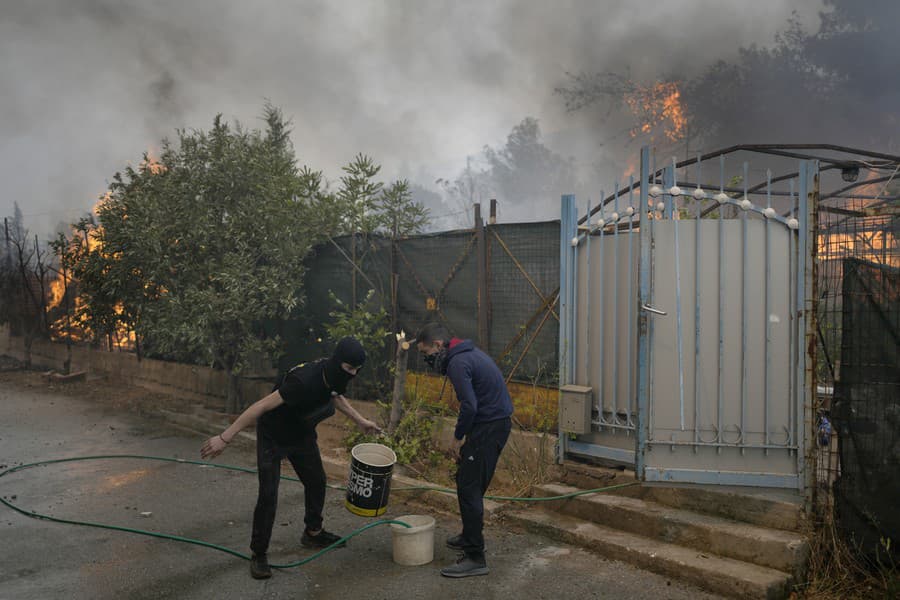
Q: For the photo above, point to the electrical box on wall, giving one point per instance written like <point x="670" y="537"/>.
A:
<point x="575" y="404"/>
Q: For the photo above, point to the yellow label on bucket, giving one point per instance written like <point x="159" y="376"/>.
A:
<point x="365" y="512"/>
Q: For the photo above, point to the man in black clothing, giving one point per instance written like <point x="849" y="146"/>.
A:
<point x="286" y="428"/>
<point x="483" y="426"/>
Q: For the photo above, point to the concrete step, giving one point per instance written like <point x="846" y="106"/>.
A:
<point x="716" y="574"/>
<point x="586" y="476"/>
<point x="782" y="550"/>
<point x="775" y="508"/>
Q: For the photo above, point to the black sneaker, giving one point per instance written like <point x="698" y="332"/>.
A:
<point x="466" y="566"/>
<point x="323" y="539"/>
<point x="259" y="567"/>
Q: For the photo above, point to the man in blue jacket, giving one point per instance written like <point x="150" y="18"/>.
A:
<point x="483" y="426"/>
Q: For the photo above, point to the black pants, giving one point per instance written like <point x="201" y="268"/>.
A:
<point x="477" y="462"/>
<point x="307" y="463"/>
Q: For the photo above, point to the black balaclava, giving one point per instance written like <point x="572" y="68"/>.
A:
<point x="438" y="360"/>
<point x="349" y="351"/>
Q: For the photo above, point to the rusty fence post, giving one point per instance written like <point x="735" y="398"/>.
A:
<point x="483" y="312"/>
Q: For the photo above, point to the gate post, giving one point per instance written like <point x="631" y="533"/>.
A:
<point x="567" y="291"/>
<point x="642" y="299"/>
<point x="806" y="313"/>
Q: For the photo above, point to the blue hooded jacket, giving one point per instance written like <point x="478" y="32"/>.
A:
<point x="479" y="386"/>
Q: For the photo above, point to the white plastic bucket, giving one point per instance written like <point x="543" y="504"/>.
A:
<point x="413" y="546"/>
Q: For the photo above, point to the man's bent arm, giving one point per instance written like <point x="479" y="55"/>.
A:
<point x="343" y="405"/>
<point x="215" y="445"/>
<point x="461" y="378"/>
<point x="252" y="414"/>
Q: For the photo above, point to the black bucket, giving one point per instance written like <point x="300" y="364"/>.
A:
<point x="371" y="466"/>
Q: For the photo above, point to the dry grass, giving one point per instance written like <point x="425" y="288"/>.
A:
<point x="838" y="572"/>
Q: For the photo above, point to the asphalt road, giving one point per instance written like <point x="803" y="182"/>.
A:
<point x="42" y="560"/>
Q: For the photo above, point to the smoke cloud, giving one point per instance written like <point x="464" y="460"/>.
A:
<point x="91" y="84"/>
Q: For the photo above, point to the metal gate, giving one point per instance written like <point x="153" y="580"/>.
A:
<point x="683" y="309"/>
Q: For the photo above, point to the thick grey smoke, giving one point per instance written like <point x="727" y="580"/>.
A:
<point x="90" y="84"/>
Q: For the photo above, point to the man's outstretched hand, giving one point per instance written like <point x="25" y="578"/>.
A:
<point x="212" y="447"/>
<point x="369" y="427"/>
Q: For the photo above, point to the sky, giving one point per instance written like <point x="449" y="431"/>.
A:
<point x="89" y="85"/>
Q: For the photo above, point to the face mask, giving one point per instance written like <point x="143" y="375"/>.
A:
<point x="348" y="351"/>
<point x="438" y="360"/>
<point x="338" y="379"/>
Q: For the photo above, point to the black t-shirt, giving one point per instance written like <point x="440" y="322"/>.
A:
<point x="308" y="400"/>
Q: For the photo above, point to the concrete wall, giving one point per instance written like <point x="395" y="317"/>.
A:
<point x="196" y="383"/>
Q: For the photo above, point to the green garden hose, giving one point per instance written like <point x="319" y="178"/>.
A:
<point x="178" y="538"/>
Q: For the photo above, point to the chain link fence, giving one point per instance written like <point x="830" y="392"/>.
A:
<point x="858" y="369"/>
<point x="498" y="286"/>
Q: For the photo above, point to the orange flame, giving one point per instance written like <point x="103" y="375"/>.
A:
<point x="75" y="326"/>
<point x="152" y="164"/>
<point x="655" y="106"/>
<point x="57" y="292"/>
<point x="876" y="246"/>
<point x="632" y="168"/>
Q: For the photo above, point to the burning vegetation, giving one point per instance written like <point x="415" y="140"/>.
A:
<point x="657" y="107"/>
<point x="72" y="313"/>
